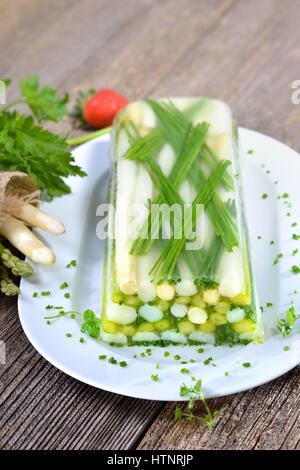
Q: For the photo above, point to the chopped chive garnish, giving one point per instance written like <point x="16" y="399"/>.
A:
<point x="102" y="357"/>
<point x="200" y="350"/>
<point x="286" y="348"/>
<point x="67" y="295"/>
<point x="48" y="322"/>
<point x="177" y="358"/>
<point x="184" y="371"/>
<point x="264" y="196"/>
<point x="294" y="224"/>
<point x="123" y="364"/>
<point x="295" y="251"/>
<point x="285" y="195"/>
<point x="226" y="373"/>
<point x="246" y="364"/>
<point x="154" y="377"/>
<point x="296" y="269"/>
<point x="295" y="237"/>
<point x="64" y="285"/>
<point x="68" y="335"/>
<point x="269" y="304"/>
<point x="166" y="353"/>
<point x="207" y="361"/>
<point x="72" y="263"/>
<point x="112" y="360"/>
<point x="272" y="242"/>
<point x="49" y="307"/>
<point x="35" y="294"/>
<point x="81" y="340"/>
<point x="46" y="293"/>
<point x="250" y="151"/>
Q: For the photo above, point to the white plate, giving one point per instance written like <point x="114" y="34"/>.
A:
<point x="276" y="284"/>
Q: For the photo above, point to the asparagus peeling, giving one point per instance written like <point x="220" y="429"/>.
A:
<point x="182" y="151"/>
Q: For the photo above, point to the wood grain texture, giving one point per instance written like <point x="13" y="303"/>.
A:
<point x="244" y="52"/>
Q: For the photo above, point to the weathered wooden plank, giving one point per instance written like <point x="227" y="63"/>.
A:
<point x="257" y="419"/>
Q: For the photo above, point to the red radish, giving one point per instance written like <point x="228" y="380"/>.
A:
<point x="100" y="110"/>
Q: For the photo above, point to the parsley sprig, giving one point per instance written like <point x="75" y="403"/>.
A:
<point x="195" y="393"/>
<point x="91" y="324"/>
<point x="285" y="325"/>
<point x="26" y="146"/>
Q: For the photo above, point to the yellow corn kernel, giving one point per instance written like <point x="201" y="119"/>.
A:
<point x="182" y="299"/>
<point x="132" y="300"/>
<point x="241" y="299"/>
<point x="186" y="327"/>
<point x="109" y="326"/>
<point x="197" y="301"/>
<point x="128" y="330"/>
<point x="222" y="307"/>
<point x="244" y="326"/>
<point x="208" y="327"/>
<point x="218" y="318"/>
<point x="117" y="298"/>
<point x="146" y="327"/>
<point x="162" y="324"/>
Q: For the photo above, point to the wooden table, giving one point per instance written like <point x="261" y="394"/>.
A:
<point x="245" y="52"/>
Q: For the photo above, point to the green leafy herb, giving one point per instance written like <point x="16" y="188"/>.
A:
<point x="296" y="237"/>
<point x="285" y="325"/>
<point x="195" y="393"/>
<point x="123" y="364"/>
<point x="286" y="348"/>
<point x="264" y="196"/>
<point x="102" y="357"/>
<point x="45" y="293"/>
<point x="246" y="364"/>
<point x="28" y="147"/>
<point x="184" y="371"/>
<point x="91" y="324"/>
<point x="64" y="285"/>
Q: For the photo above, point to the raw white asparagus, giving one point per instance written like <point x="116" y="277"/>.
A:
<point x="39" y="219"/>
<point x="24" y="240"/>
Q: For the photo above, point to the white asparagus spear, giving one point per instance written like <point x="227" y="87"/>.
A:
<point x="24" y="240"/>
<point x="40" y="219"/>
<point x="125" y="263"/>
